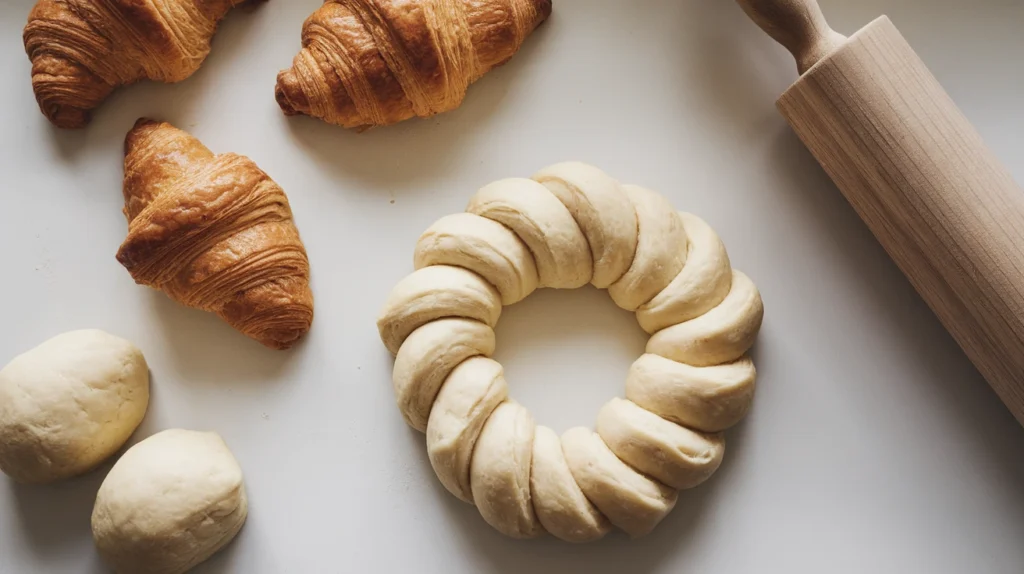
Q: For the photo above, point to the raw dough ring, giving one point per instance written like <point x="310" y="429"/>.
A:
<point x="569" y="225"/>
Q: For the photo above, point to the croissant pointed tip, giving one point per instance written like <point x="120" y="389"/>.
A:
<point x="66" y="117"/>
<point x="144" y="122"/>
<point x="134" y="135"/>
<point x="288" y="94"/>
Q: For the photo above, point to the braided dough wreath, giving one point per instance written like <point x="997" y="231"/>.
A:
<point x="569" y="225"/>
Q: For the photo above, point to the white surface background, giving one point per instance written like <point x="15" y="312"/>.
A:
<point x="873" y="445"/>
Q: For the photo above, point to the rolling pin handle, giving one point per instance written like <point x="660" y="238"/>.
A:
<point x="798" y="25"/>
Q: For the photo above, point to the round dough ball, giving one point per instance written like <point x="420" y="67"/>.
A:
<point x="68" y="404"/>
<point x="171" y="502"/>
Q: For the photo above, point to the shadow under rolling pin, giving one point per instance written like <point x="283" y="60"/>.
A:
<point x="918" y="174"/>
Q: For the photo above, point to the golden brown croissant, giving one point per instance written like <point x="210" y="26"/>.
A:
<point x="81" y="50"/>
<point x="368" y="63"/>
<point x="214" y="232"/>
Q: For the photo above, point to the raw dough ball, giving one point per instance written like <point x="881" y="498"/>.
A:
<point x="68" y="404"/>
<point x="171" y="502"/>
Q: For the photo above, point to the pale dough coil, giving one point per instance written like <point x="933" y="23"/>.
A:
<point x="569" y="225"/>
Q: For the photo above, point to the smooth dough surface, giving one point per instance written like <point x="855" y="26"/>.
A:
<point x="169" y="503"/>
<point x="630" y="500"/>
<point x="500" y="472"/>
<point x="560" y="505"/>
<point x="426" y="358"/>
<point x="702" y="284"/>
<point x="68" y="404"/>
<point x="709" y="399"/>
<point x="547" y="228"/>
<point x="660" y="250"/>
<point x="603" y="212"/>
<point x="672" y="454"/>
<point x="433" y="293"/>
<point x="470" y="394"/>
<point x="721" y="335"/>
<point x="485" y="247"/>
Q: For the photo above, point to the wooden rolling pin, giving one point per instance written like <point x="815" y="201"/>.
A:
<point x="916" y="171"/>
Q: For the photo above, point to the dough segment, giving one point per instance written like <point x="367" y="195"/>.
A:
<point x="708" y="399"/>
<point x="702" y="284"/>
<point x="68" y="404"/>
<point x="721" y="335"/>
<point x="169" y="503"/>
<point x="569" y="225"/>
<point x="660" y="250"/>
<point x="630" y="500"/>
<point x="543" y="224"/>
<point x="433" y="293"/>
<point x="485" y="247"/>
<point x="560" y="505"/>
<point x="663" y="450"/>
<point x="470" y="394"/>
<point x="500" y="472"/>
<point x="603" y="211"/>
<point x="426" y="358"/>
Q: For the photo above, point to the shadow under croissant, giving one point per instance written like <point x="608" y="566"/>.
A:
<point x="205" y="348"/>
<point x="415" y="152"/>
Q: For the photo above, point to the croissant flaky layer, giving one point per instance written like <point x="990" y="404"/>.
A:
<point x="367" y="63"/>
<point x="81" y="50"/>
<point x="214" y="232"/>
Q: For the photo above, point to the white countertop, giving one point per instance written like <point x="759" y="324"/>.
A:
<point x="873" y="446"/>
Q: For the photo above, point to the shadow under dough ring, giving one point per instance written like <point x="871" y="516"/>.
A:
<point x="569" y="225"/>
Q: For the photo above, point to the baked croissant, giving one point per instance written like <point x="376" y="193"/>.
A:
<point x="81" y="50"/>
<point x="214" y="232"/>
<point x="367" y="63"/>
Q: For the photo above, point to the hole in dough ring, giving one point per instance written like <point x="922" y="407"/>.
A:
<point x="569" y="225"/>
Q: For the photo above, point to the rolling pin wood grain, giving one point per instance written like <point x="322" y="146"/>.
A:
<point x="919" y="175"/>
